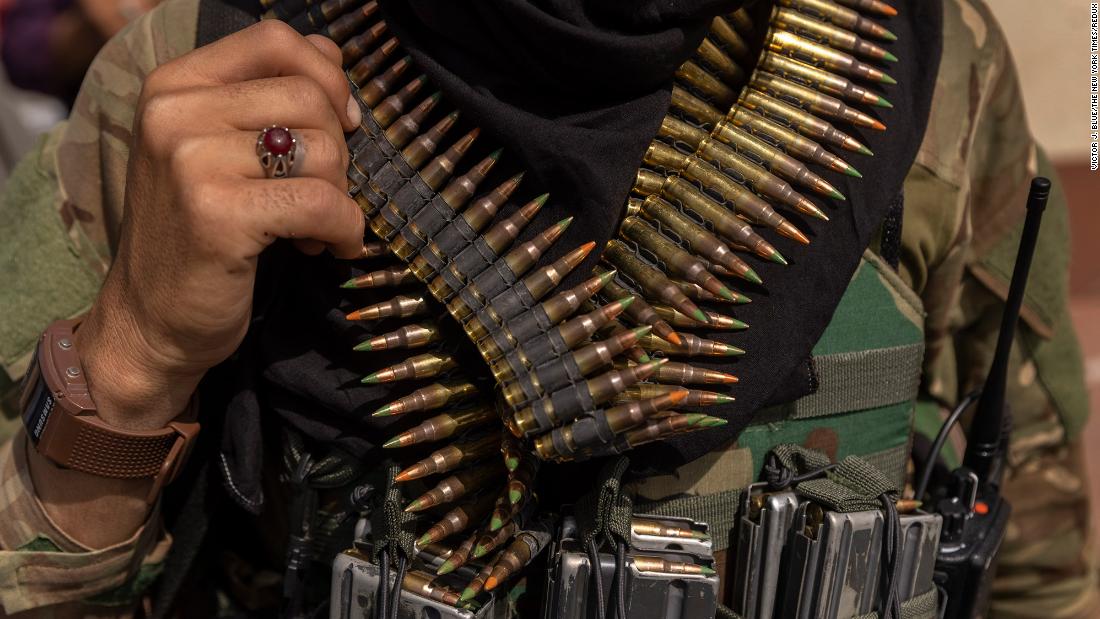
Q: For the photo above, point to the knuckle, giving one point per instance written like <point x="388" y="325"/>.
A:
<point x="276" y="33"/>
<point x="155" y="121"/>
<point x="330" y="153"/>
<point x="305" y="92"/>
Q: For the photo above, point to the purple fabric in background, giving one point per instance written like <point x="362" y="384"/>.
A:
<point x="24" y="42"/>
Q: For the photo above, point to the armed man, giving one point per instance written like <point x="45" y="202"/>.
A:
<point x="518" y="309"/>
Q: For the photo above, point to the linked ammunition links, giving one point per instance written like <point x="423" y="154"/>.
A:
<point x="709" y="177"/>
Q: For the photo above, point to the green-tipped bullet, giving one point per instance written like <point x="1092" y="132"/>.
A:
<point x="511" y="463"/>
<point x="836" y="195"/>
<point x="393" y="442"/>
<point x="479" y="550"/>
<point x="514" y="496"/>
<point x="863" y="150"/>
<point x="362" y="346"/>
<point x="851" y="171"/>
<point x="886" y="79"/>
<point x="883" y="102"/>
<point x="706" y="570"/>
<point x="699" y="315"/>
<point x="468" y="594"/>
<point x="752" y="277"/>
<point x="446" y="568"/>
<point x="495" y="523"/>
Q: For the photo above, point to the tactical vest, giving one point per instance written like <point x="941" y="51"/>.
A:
<point x="868" y="366"/>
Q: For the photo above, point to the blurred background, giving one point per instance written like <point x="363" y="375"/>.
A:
<point x="1050" y="42"/>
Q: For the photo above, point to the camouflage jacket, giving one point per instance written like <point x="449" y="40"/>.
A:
<point x="59" y="224"/>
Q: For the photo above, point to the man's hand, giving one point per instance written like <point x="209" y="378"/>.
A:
<point x="199" y="210"/>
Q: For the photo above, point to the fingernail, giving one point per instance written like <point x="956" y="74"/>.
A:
<point x="355" y="115"/>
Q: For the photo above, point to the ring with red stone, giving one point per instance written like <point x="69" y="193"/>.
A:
<point x="275" y="147"/>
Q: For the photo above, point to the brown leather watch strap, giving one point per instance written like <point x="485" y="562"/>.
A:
<point x="61" y="419"/>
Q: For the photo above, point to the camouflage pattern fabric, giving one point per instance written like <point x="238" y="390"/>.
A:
<point x="963" y="207"/>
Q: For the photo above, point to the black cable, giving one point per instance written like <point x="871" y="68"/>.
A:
<point x="941" y="438"/>
<point x="620" y="581"/>
<point x="382" y="592"/>
<point x="596" y="575"/>
<point x="890" y="606"/>
<point x="395" y="598"/>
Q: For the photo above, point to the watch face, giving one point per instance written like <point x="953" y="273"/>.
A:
<point x="38" y="404"/>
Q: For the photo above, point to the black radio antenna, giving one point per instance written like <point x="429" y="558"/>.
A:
<point x="984" y="449"/>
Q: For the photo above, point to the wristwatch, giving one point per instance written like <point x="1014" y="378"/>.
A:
<point x="60" y="418"/>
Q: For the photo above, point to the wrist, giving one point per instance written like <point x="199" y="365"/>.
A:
<point x="133" y="386"/>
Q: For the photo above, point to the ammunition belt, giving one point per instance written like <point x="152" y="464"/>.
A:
<point x="575" y="382"/>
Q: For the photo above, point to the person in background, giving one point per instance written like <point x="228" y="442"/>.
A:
<point x="70" y="31"/>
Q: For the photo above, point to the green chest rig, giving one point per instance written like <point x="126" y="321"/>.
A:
<point x="599" y="368"/>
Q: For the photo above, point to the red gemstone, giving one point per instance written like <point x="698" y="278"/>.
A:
<point x="277" y="141"/>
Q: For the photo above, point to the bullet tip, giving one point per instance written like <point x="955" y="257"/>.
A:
<point x="435" y="96"/>
<point x="626" y="301"/>
<point x="383" y="412"/>
<point x="495" y="155"/>
<point x="514" y="496"/>
<point x="446" y="568"/>
<point x="850" y="171"/>
<point x="721" y="398"/>
<point x="587" y="247"/>
<point x="890" y="57"/>
<point x="491" y="583"/>
<point x="883" y="102"/>
<point x="863" y="150"/>
<point x="351" y="283"/>
<point x="467" y="594"/>
<point x="412" y="507"/>
<point x="878" y="126"/>
<point x="424" y="540"/>
<point x="889" y="36"/>
<point x="540" y="200"/>
<point x="778" y="258"/>
<point x="886" y="79"/>
<point x="836" y="195"/>
<point x="753" y="277"/>
<point x="478" y="551"/>
<point x="405" y="475"/>
<point x="362" y="346"/>
<point x="706" y="570"/>
<point x="701" y="316"/>
<point x="393" y="442"/>
<point x="645" y="358"/>
<point x="370" y="379"/>
<point x="733" y="351"/>
<point x="726" y="294"/>
<point x="678" y="396"/>
<point x="674" y="338"/>
<point x="495" y="524"/>
<point x="511" y="463"/>
<point x="563" y="224"/>
<point x="738" y="324"/>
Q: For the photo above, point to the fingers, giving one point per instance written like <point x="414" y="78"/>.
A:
<point x="266" y="49"/>
<point x="303" y="208"/>
<point x="294" y="101"/>
<point x="331" y="50"/>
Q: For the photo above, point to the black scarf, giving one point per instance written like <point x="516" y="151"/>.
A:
<point x="574" y="90"/>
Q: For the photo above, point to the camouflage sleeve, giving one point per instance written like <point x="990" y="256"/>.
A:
<point x="964" y="210"/>
<point x="59" y="218"/>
